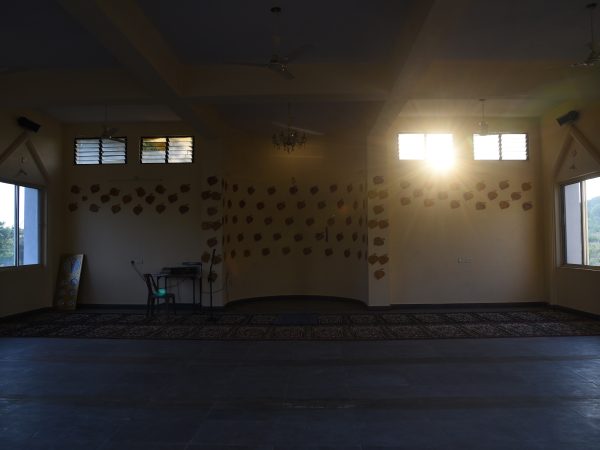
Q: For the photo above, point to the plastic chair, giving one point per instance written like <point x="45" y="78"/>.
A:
<point x="155" y="294"/>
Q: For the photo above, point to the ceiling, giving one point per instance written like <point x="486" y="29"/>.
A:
<point x="369" y="62"/>
<point x="41" y="35"/>
<point x="213" y="31"/>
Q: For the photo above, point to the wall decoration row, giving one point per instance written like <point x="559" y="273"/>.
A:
<point x="332" y="219"/>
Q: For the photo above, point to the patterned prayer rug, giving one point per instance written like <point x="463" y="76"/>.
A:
<point x="300" y="327"/>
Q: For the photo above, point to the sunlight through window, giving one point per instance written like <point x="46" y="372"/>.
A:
<point x="486" y="147"/>
<point x="506" y="147"/>
<point x="440" y="151"/>
<point x="435" y="148"/>
<point x="581" y="222"/>
<point x="411" y="146"/>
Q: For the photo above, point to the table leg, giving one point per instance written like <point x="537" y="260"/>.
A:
<point x="194" y="294"/>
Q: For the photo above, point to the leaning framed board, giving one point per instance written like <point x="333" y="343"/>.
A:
<point x="67" y="284"/>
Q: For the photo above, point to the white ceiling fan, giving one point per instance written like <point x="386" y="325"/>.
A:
<point x="278" y="63"/>
<point x="593" y="58"/>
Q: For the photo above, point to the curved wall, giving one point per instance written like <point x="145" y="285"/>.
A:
<point x="295" y="224"/>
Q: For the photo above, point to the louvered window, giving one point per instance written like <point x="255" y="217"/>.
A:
<point x="167" y="149"/>
<point x="100" y="151"/>
<point x="429" y="146"/>
<point x="500" y="147"/>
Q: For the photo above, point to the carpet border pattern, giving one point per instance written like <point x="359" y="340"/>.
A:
<point x="308" y="327"/>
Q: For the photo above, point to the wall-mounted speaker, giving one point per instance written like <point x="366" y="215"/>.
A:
<point x="569" y="117"/>
<point x="30" y="125"/>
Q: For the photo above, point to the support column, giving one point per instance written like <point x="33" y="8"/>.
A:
<point x="378" y="224"/>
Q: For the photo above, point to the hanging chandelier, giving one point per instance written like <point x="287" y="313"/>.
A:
<point x="289" y="138"/>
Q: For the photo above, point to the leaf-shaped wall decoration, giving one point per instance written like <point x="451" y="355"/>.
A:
<point x="379" y="274"/>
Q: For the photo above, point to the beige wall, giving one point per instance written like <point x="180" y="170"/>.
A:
<point x="379" y="250"/>
<point x="571" y="287"/>
<point x="110" y="239"/>
<point x="167" y="228"/>
<point x="412" y="250"/>
<point x="432" y="225"/>
<point x="28" y="288"/>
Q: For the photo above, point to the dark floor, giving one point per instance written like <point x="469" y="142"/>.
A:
<point x="519" y="393"/>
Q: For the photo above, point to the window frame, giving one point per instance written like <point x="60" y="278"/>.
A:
<point x="500" y="134"/>
<point x="584" y="223"/>
<point x="425" y="149"/>
<point x="41" y="205"/>
<point x="167" y="136"/>
<point x="99" y="163"/>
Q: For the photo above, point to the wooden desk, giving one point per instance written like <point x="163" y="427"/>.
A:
<point x="194" y="277"/>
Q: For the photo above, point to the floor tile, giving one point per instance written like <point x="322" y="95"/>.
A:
<point x="528" y="393"/>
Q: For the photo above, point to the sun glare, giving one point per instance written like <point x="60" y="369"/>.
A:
<point x="440" y="152"/>
<point x="437" y="149"/>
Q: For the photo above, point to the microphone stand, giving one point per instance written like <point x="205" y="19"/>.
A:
<point x="210" y="284"/>
<point x="133" y="265"/>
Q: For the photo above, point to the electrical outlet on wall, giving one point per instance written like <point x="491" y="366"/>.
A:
<point x="465" y="260"/>
<point x="138" y="261"/>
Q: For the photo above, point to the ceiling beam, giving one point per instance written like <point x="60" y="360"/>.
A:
<point x="431" y="19"/>
<point x="122" y="27"/>
<point x="68" y="87"/>
<point x="210" y="84"/>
